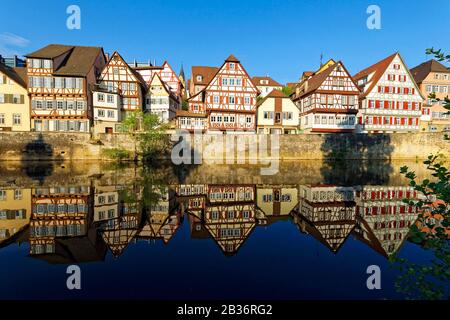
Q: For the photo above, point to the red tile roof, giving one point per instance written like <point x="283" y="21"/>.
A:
<point x="421" y="71"/>
<point x="271" y="82"/>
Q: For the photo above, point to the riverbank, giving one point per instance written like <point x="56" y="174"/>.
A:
<point x="28" y="146"/>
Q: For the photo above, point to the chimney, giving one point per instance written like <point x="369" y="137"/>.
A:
<point x="107" y="56"/>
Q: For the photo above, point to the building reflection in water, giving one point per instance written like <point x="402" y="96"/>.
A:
<point x="67" y="224"/>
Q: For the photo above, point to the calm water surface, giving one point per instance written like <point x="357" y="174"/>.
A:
<point x="205" y="232"/>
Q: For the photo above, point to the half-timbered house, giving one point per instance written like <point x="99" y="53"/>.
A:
<point x="277" y="114"/>
<point x="119" y="91"/>
<point x="266" y="85"/>
<point x="327" y="99"/>
<point x="59" y="81"/>
<point x="390" y="99"/>
<point x="160" y="100"/>
<point x="229" y="99"/>
<point x="165" y="73"/>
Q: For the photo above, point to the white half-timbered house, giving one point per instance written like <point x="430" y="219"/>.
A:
<point x="390" y="100"/>
<point x="59" y="81"/>
<point x="120" y="90"/>
<point x="160" y="100"/>
<point x="228" y="100"/>
<point x="328" y="100"/>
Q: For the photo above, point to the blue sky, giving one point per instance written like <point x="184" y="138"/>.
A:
<point x="276" y="38"/>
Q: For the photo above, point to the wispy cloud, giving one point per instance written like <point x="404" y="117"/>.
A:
<point x="11" y="43"/>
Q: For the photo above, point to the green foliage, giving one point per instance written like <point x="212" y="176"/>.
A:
<point x="119" y="154"/>
<point x="147" y="133"/>
<point x="185" y="105"/>
<point x="286" y="90"/>
<point x="438" y="54"/>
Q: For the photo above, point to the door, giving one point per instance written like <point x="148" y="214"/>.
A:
<point x="109" y="130"/>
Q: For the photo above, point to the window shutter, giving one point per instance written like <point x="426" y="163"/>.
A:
<point x="22" y="99"/>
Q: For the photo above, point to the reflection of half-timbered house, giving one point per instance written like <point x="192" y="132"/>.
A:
<point x="192" y="197"/>
<point x="384" y="219"/>
<point x="59" y="81"/>
<point x="390" y="100"/>
<point x="228" y="100"/>
<point x="120" y="90"/>
<point x="162" y="220"/>
<point x="230" y="215"/>
<point x="328" y="100"/>
<point x="58" y="212"/>
<point x="15" y="212"/>
<point x="276" y="201"/>
<point x="120" y="231"/>
<point x="328" y="213"/>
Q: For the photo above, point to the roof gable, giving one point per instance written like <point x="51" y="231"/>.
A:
<point x="421" y="71"/>
<point x="18" y="75"/>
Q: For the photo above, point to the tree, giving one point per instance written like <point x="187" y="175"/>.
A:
<point x="185" y="105"/>
<point x="287" y="90"/>
<point x="432" y="228"/>
<point x="147" y="133"/>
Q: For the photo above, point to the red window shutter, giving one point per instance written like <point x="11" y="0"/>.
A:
<point x="405" y="105"/>
<point x="377" y="104"/>
<point x="413" y="91"/>
<point x="410" y="120"/>
<point x="379" y="89"/>
<point x="386" y="104"/>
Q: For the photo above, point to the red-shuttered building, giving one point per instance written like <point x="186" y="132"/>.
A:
<point x="228" y="101"/>
<point x="390" y="100"/>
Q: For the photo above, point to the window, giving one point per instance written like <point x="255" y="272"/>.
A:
<point x="317" y="119"/>
<point x="60" y="105"/>
<point x="239" y="82"/>
<point x="132" y="86"/>
<point x="80" y="105"/>
<point x="2" y="195"/>
<point x="215" y="215"/>
<point x="216" y="99"/>
<point x="231" y="100"/>
<point x="199" y="78"/>
<point x="116" y="71"/>
<point x="101" y="97"/>
<point x="224" y="81"/>
<point x="324" y="119"/>
<point x="2" y="98"/>
<point x="232" y="66"/>
<point x="247" y="100"/>
<point x="2" y="118"/>
<point x="17" y="119"/>
<point x="231" y="82"/>
<point x="101" y="113"/>
<point x="47" y="64"/>
<point x="331" y="120"/>
<point x="124" y="86"/>
<point x="110" y="114"/>
<point x="249" y="119"/>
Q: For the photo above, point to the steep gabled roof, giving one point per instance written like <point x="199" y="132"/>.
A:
<point x="421" y="71"/>
<point x="273" y="94"/>
<point x="271" y="82"/>
<point x="207" y="74"/>
<point x="79" y="61"/>
<point x="232" y="58"/>
<point x="18" y="75"/>
<point x="316" y="80"/>
<point x="377" y="69"/>
<point x="132" y="70"/>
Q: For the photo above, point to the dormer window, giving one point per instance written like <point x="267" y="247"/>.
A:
<point x="199" y="78"/>
<point x="264" y="81"/>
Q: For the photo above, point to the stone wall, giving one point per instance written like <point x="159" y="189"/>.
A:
<point x="24" y="146"/>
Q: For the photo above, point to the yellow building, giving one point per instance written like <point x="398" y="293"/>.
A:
<point x="276" y="201"/>
<point x="433" y="79"/>
<point x="15" y="211"/>
<point x="14" y="103"/>
<point x="277" y="114"/>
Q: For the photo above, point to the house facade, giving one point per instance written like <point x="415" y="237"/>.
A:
<point x="228" y="100"/>
<point x="277" y="114"/>
<point x="14" y="101"/>
<point x="433" y="79"/>
<point x="160" y="100"/>
<point x="390" y="98"/>
<point x="59" y="80"/>
<point x="119" y="91"/>
<point x="266" y="85"/>
<point x="328" y="100"/>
